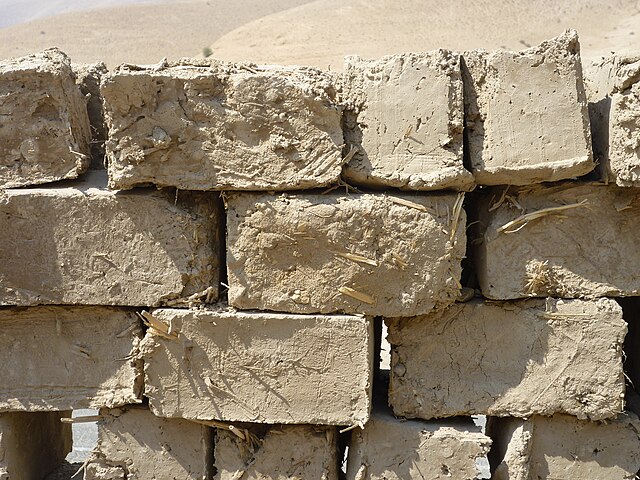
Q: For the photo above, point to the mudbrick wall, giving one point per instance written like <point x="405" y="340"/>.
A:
<point x="218" y="290"/>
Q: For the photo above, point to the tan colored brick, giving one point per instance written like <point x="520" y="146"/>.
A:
<point x="212" y="125"/>
<point x="62" y="358"/>
<point x="281" y="452"/>
<point x="234" y="366"/>
<point x="392" y="449"/>
<point x="614" y="108"/>
<point x="87" y="245"/>
<point x="585" y="246"/>
<point x="565" y="447"/>
<point x="405" y="120"/>
<point x="133" y="444"/>
<point x="510" y="359"/>
<point x="526" y="113"/>
<point x="374" y="254"/>
<point x="44" y="127"/>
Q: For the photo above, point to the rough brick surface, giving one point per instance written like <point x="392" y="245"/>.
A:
<point x="133" y="444"/>
<point x="405" y="120"/>
<point x="281" y="452"/>
<point x="536" y="357"/>
<point x="365" y="253"/>
<point x="60" y="358"/>
<point x="87" y="245"/>
<point x="32" y="444"/>
<point x="526" y="114"/>
<point x="44" y="127"/>
<point x="259" y="367"/>
<point x="392" y="449"/>
<point x="585" y="246"/>
<point x="565" y="447"/>
<point x="614" y="96"/>
<point x="222" y="126"/>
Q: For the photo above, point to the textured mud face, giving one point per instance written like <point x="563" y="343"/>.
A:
<point x="526" y="114"/>
<point x="133" y="444"/>
<point x="614" y="95"/>
<point x="565" y="447"/>
<point x="86" y="245"/>
<point x="32" y="444"/>
<point x="586" y="246"/>
<point x="44" y="127"/>
<point x="259" y="367"/>
<point x="371" y="254"/>
<point x="538" y="357"/>
<point x="222" y="126"/>
<point x="89" y="360"/>
<point x="405" y="120"/>
<point x="282" y="452"/>
<point x="392" y="449"/>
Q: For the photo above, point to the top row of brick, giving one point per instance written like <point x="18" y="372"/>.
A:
<point x="394" y="122"/>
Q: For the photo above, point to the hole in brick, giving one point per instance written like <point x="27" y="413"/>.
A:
<point x="631" y="315"/>
<point x="84" y="440"/>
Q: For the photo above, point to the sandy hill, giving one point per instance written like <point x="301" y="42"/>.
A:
<point x="322" y="32"/>
<point x="141" y="33"/>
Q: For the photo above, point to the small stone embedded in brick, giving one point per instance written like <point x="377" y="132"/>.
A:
<point x="375" y="254"/>
<point x="233" y="366"/>
<point x="404" y="121"/>
<point x="208" y="125"/>
<point x="44" y="126"/>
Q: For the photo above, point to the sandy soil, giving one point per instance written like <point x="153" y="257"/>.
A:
<point x="139" y="33"/>
<point x="322" y="32"/>
<point x="309" y="32"/>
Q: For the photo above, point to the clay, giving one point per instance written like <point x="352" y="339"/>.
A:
<point x="85" y="245"/>
<point x="219" y="364"/>
<point x="405" y="120"/>
<point x="133" y="444"/>
<point x="88" y="78"/>
<point x="526" y="113"/>
<point x="373" y="254"/>
<point x="510" y="359"/>
<point x="32" y="444"/>
<point x="570" y="241"/>
<point x="282" y="452"/>
<point x="89" y="360"/>
<point x="614" y="106"/>
<point x="213" y="126"/>
<point x="565" y="447"/>
<point x="44" y="127"/>
<point x="392" y="449"/>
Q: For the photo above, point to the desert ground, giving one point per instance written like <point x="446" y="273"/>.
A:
<point x="318" y="33"/>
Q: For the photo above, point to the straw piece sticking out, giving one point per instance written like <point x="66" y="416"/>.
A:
<point x="358" y="258"/>
<point x="363" y="297"/>
<point x="519" y="223"/>
<point x="408" y="203"/>
<point x="156" y="326"/>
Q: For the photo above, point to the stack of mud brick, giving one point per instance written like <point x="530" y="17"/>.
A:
<point x="218" y="291"/>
